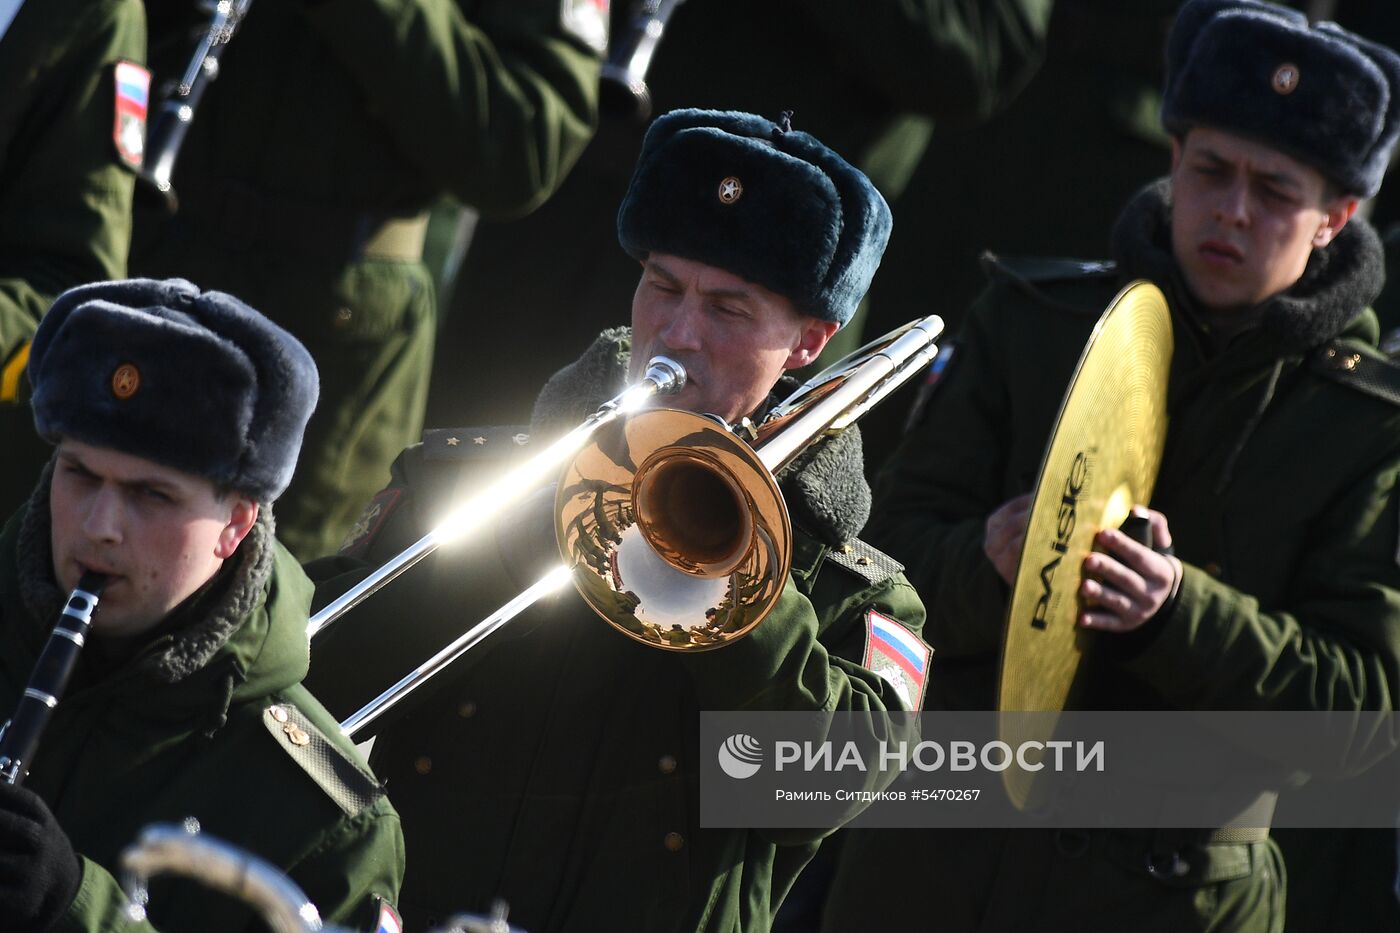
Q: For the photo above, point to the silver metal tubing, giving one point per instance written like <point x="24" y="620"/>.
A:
<point x="165" y="849"/>
<point x="425" y="671"/>
<point x="664" y="376"/>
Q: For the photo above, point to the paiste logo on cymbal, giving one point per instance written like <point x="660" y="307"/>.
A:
<point x="1285" y="79"/>
<point x="730" y="190"/>
<point x="1065" y="517"/>
<point x="126" y="379"/>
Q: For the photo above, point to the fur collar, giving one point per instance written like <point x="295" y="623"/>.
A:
<point x="215" y="612"/>
<point x="1339" y="283"/>
<point x="825" y="488"/>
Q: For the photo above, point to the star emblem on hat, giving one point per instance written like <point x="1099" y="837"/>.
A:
<point x="730" y="190"/>
<point x="126" y="379"/>
<point x="1285" y="80"/>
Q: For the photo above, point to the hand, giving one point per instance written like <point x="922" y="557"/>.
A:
<point x="1129" y="584"/>
<point x="39" y="871"/>
<point x="1006" y="535"/>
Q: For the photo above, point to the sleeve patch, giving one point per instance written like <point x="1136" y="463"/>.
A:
<point x="133" y="90"/>
<point x="389" y="920"/>
<point x="371" y="520"/>
<point x="587" y="21"/>
<point x="896" y="654"/>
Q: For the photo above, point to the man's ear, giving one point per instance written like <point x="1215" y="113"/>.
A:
<point x="1336" y="213"/>
<point x="815" y="334"/>
<point x="242" y="517"/>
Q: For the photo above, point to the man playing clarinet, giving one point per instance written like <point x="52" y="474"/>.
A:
<point x="177" y="418"/>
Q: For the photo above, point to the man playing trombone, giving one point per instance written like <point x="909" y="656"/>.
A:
<point x="177" y="416"/>
<point x="558" y="767"/>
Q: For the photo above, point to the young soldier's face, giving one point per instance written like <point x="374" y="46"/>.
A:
<point x="1246" y="217"/>
<point x="733" y="337"/>
<point x="158" y="533"/>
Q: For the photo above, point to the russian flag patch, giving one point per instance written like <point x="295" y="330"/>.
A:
<point x="389" y="921"/>
<point x="129" y="125"/>
<point x="898" y="655"/>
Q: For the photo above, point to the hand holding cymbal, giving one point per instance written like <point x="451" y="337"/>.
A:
<point x="1127" y="580"/>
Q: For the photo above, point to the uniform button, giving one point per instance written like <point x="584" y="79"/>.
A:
<point x="1213" y="569"/>
<point x="466" y="710"/>
<point x="667" y="764"/>
<point x="674" y="842"/>
<point x="280" y="714"/>
<point x="423" y="764"/>
<point x="343" y="316"/>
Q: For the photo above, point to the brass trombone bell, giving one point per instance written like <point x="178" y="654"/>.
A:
<point x="687" y="550"/>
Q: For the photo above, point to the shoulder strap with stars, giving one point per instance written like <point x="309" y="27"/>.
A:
<point x="870" y="564"/>
<point x="1360" y="367"/>
<point x="344" y="780"/>
<point x="473" y="443"/>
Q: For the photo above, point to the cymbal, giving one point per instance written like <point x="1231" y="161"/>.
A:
<point x="1102" y="460"/>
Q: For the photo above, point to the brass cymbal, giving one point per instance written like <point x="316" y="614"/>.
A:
<point x="1102" y="460"/>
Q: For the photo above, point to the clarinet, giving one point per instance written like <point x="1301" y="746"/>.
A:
<point x="172" y="122"/>
<point x="20" y="735"/>
<point x="623" y="77"/>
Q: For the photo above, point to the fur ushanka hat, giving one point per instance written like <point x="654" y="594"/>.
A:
<point x="1318" y="93"/>
<point x="758" y="199"/>
<point x="197" y="381"/>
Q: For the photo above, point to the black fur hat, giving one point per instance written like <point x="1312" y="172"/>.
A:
<point x="1318" y="93"/>
<point x="760" y="200"/>
<point x="196" y="381"/>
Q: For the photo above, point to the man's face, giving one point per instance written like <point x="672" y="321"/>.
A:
<point x="158" y="533"/>
<point x="1246" y="217"/>
<point x="734" y="338"/>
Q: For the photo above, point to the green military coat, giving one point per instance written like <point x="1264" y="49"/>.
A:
<point x="558" y="765"/>
<point x="1278" y="481"/>
<point x="192" y="726"/>
<point x="65" y="191"/>
<point x="306" y="176"/>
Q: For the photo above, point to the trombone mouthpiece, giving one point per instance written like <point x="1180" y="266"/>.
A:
<point x="666" y="374"/>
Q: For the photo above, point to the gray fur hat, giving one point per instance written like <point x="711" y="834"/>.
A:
<point x="197" y="381"/>
<point x="1318" y="93"/>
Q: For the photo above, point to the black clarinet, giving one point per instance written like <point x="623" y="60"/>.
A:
<point x="20" y="736"/>
<point x="170" y="124"/>
<point x="623" y="78"/>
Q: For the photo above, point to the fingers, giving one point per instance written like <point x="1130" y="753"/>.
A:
<point x="1005" y="536"/>
<point x="1010" y="515"/>
<point x="1125" y="587"/>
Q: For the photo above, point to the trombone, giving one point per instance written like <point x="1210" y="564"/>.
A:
<point x="671" y="524"/>
<point x="664" y="376"/>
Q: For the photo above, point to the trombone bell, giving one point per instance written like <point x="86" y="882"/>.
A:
<point x="688" y="551"/>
